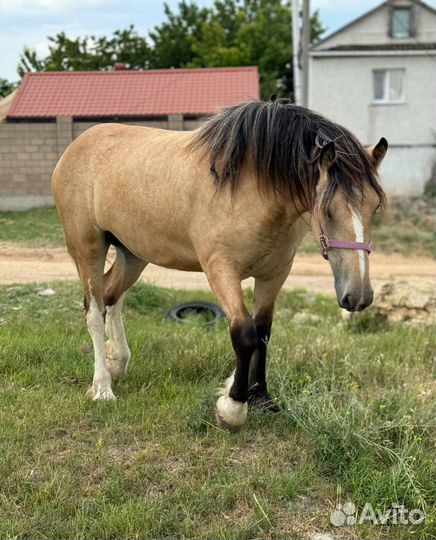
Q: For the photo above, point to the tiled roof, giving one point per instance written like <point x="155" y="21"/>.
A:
<point x="126" y="93"/>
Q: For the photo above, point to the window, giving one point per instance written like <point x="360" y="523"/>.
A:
<point x="389" y="85"/>
<point x="401" y="22"/>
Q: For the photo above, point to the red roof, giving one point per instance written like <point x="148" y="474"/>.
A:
<point x="126" y="93"/>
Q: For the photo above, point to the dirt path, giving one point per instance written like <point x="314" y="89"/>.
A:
<point x="25" y="265"/>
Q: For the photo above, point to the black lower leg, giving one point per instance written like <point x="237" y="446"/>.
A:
<point x="257" y="386"/>
<point x="244" y="342"/>
<point x="257" y="374"/>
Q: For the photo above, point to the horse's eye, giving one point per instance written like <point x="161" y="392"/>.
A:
<point x="329" y="214"/>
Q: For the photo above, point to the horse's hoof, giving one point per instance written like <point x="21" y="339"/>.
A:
<point x="222" y="424"/>
<point x="263" y="401"/>
<point x="230" y="414"/>
<point x="101" y="394"/>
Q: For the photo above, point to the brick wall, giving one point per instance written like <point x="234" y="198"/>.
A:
<point x="29" y="152"/>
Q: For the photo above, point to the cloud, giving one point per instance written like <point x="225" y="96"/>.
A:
<point x="33" y="7"/>
<point x="41" y="48"/>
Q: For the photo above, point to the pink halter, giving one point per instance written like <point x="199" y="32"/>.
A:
<point x="327" y="244"/>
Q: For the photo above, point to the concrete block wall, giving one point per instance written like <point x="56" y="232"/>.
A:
<point x="64" y="133"/>
<point x="29" y="152"/>
<point x="28" y="155"/>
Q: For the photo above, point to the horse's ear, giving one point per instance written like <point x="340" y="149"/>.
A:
<point x="378" y="151"/>
<point x="327" y="155"/>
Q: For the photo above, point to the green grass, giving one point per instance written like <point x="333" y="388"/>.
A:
<point x="357" y="418"/>
<point x="394" y="232"/>
<point x="36" y="228"/>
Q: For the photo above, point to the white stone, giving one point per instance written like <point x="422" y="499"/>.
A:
<point x="46" y="292"/>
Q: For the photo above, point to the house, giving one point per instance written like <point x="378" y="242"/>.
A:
<point x="51" y="109"/>
<point x="377" y="77"/>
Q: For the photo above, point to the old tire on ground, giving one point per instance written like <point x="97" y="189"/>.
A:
<point x="182" y="313"/>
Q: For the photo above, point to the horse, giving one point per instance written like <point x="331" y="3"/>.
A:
<point x="232" y="199"/>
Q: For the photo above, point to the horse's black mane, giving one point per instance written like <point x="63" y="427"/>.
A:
<point x="277" y="140"/>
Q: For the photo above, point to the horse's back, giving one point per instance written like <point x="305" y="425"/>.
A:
<point x="99" y="148"/>
<point x="112" y="159"/>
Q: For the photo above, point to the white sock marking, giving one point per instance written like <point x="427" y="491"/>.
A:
<point x="101" y="386"/>
<point x="228" y="383"/>
<point x="230" y="412"/>
<point x="117" y="349"/>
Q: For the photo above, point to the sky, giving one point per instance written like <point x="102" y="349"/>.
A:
<point x="29" y="22"/>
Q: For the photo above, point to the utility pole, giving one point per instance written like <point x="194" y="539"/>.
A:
<point x="296" y="35"/>
<point x="305" y="47"/>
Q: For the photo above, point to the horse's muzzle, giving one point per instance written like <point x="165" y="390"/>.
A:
<point x="353" y="302"/>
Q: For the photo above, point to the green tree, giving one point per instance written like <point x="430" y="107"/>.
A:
<point x="173" y="41"/>
<point x="230" y="33"/>
<point x="258" y="32"/>
<point x="237" y="33"/>
<point x="6" y="87"/>
<point x="89" y="53"/>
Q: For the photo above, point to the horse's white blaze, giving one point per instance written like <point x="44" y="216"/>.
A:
<point x="360" y="237"/>
<point x="231" y="412"/>
<point x="117" y="349"/>
<point x="101" y="385"/>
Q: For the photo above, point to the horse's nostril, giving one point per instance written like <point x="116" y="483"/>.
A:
<point x="347" y="302"/>
<point x="356" y="303"/>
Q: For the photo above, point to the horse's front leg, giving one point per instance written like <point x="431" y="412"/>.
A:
<point x="231" y="407"/>
<point x="257" y="384"/>
<point x="265" y="294"/>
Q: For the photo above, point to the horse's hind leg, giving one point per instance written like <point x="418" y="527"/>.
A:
<point x="121" y="276"/>
<point x="89" y="253"/>
<point x="117" y="349"/>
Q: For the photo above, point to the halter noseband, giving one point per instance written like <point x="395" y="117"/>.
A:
<point x="327" y="244"/>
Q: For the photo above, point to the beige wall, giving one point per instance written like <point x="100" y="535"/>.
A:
<point x="342" y="89"/>
<point x="374" y="29"/>
<point x="29" y="152"/>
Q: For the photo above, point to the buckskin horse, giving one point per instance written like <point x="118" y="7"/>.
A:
<point x="232" y="199"/>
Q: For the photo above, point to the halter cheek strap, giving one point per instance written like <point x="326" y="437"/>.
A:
<point x="327" y="244"/>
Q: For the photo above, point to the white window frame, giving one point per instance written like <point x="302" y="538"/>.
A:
<point x="385" y="100"/>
